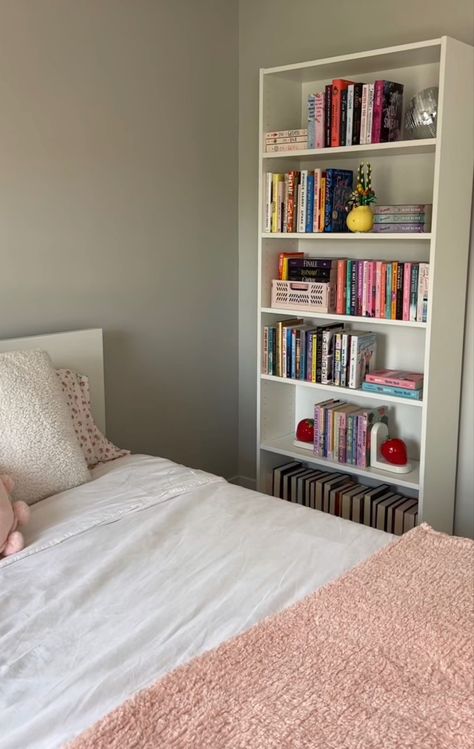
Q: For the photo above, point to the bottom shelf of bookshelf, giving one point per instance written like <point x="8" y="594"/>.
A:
<point x="284" y="446"/>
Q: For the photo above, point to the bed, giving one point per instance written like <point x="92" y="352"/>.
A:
<point x="141" y="569"/>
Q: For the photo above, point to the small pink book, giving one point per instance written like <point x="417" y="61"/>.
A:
<point x="396" y="378"/>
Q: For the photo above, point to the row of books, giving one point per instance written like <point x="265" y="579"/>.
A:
<point x="325" y="354"/>
<point x="342" y="431"/>
<point x="406" y="219"/>
<point x="395" y="382"/>
<point x="338" y="494"/>
<point x="389" y="289"/>
<point x="348" y="113"/>
<point x="307" y="201"/>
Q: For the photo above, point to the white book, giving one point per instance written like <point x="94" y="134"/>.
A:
<point x="311" y="113"/>
<point x="423" y="285"/>
<point x="350" y="113"/>
<point x="316" y="207"/>
<point x="320" y="106"/>
<point x="267" y="202"/>
<point x="370" y="111"/>
<point x="363" y="113"/>
<point x="362" y="357"/>
<point x="302" y="198"/>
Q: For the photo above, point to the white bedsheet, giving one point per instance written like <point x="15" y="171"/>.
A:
<point x="138" y="571"/>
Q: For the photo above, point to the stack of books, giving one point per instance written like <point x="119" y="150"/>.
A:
<point x="395" y="382"/>
<point x="342" y="431"/>
<point x="325" y="354"/>
<point x="409" y="218"/>
<point x="347" y="113"/>
<point x="388" y="289"/>
<point x="286" y="140"/>
<point x="338" y="494"/>
<point x="306" y="201"/>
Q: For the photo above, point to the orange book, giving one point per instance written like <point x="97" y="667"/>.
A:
<point x="394" y="290"/>
<point x="338" y="86"/>
<point x="341" y="287"/>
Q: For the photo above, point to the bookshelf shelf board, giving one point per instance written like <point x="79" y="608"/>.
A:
<point x="345" y="318"/>
<point x="396" y="148"/>
<point x="284" y="446"/>
<point x="344" y="391"/>
<point x="347" y="235"/>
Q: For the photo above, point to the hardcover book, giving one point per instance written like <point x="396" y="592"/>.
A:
<point x="338" y="86"/>
<point x="338" y="188"/>
<point x="396" y="378"/>
<point x="391" y="129"/>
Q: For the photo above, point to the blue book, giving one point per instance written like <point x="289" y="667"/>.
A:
<point x="372" y="387"/>
<point x="309" y="202"/>
<point x="338" y="190"/>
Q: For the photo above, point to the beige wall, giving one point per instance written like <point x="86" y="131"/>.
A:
<point x="277" y="32"/>
<point x="118" y="205"/>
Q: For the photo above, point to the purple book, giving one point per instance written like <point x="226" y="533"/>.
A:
<point x="402" y="228"/>
<point x="378" y="111"/>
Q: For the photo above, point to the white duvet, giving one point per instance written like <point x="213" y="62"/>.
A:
<point x="138" y="571"/>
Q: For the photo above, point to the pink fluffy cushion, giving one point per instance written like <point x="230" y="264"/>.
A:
<point x="95" y="446"/>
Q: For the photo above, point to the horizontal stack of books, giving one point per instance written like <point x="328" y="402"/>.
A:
<point x="395" y="382"/>
<point x="286" y="140"/>
<point x="307" y="201"/>
<point x="388" y="289"/>
<point x="347" y="113"/>
<point x="411" y="218"/>
<point x="379" y="507"/>
<point x="325" y="354"/>
<point x="342" y="431"/>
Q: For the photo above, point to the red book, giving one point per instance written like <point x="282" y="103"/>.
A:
<point x="338" y="86"/>
<point x="377" y="116"/>
<point x="341" y="287"/>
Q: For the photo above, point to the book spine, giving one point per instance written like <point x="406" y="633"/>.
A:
<point x="314" y="360"/>
<point x="311" y="121"/>
<point x="353" y="294"/>
<point x="341" y="453"/>
<point x="271" y="351"/>
<point x="281" y="141"/>
<point x="343" y="125"/>
<point x="284" y="147"/>
<point x="309" y="202"/>
<point x="401" y="228"/>
<point x="317" y="431"/>
<point x="423" y="288"/>
<point x="350" y="113"/>
<point x="349" y="265"/>
<point x="341" y="287"/>
<point x="400" y="276"/>
<point x="309" y="357"/>
<point x="265" y="368"/>
<point x="413" y="291"/>
<point x="319" y="120"/>
<point x="328" y="110"/>
<point x="267" y="203"/>
<point x="322" y="202"/>
<point x="294" y="347"/>
<point x="361" y="422"/>
<point x="409" y="208"/>
<point x="280" y="204"/>
<point x="357" y="114"/>
<point x="399" y="392"/>
<point x="325" y="370"/>
<point x="275" y="182"/>
<point x="370" y="112"/>
<point x="302" y="201"/>
<point x="388" y="296"/>
<point x="284" y="353"/>
<point x="328" y="200"/>
<point x="284" y="219"/>
<point x="360" y="286"/>
<point x="399" y="382"/>
<point x="286" y="134"/>
<point x="383" y="289"/>
<point x="378" y="111"/>
<point x="319" y="354"/>
<point x="363" y="113"/>
<point x="335" y="115"/>
<point x="365" y="288"/>
<point x="394" y="290"/>
<point x="316" y="189"/>
<point x="353" y="361"/>
<point x="337" y="359"/>
<point x="345" y="342"/>
<point x="378" y="289"/>
<point x="399" y="218"/>
<point x="406" y="291"/>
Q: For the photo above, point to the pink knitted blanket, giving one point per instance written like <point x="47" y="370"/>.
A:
<point x="381" y="658"/>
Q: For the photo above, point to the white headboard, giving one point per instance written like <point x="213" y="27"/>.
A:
<point x="81" y="351"/>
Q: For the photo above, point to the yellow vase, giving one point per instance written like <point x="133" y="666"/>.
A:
<point x="360" y="219"/>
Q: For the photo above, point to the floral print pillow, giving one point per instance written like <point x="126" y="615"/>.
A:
<point x="95" y="446"/>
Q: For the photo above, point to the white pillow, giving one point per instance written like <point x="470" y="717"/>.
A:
<point x="38" y="445"/>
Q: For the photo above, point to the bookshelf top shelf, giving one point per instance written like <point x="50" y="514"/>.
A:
<point x="360" y="63"/>
<point x="396" y="148"/>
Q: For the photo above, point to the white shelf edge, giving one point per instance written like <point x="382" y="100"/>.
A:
<point x="423" y="145"/>
<point x="347" y="235"/>
<point x="284" y="446"/>
<point x="344" y="318"/>
<point x="345" y="391"/>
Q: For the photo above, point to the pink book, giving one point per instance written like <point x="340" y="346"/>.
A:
<point x="370" y="293"/>
<point x="378" y="111"/>
<point x="396" y="378"/>
<point x="360" y="286"/>
<point x="383" y="290"/>
<point x="319" y="106"/>
<point x="365" y="288"/>
<point x="406" y="290"/>
<point x="378" y="289"/>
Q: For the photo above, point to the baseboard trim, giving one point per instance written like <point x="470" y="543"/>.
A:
<point x="244" y="481"/>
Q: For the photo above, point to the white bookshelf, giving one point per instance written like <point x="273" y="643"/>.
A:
<point x="434" y="170"/>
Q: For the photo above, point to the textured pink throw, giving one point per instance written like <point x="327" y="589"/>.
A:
<point x="380" y="659"/>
